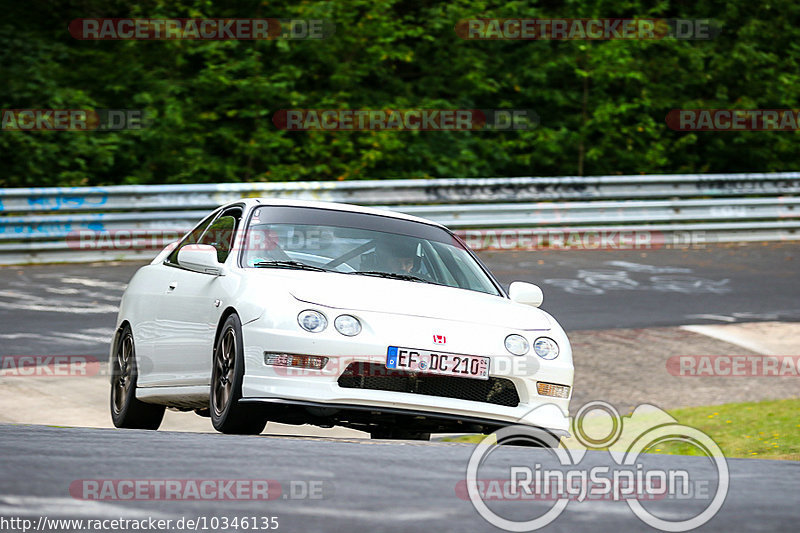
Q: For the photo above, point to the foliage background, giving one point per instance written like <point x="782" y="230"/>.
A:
<point x="602" y="104"/>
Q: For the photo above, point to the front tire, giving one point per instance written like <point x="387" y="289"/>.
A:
<point x="126" y="410"/>
<point x="227" y="414"/>
<point x="538" y="438"/>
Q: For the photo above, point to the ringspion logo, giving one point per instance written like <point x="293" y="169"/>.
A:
<point x="559" y="476"/>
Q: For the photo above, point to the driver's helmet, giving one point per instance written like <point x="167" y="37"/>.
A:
<point x="397" y="254"/>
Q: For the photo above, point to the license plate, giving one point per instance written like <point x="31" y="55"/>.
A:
<point x="441" y="363"/>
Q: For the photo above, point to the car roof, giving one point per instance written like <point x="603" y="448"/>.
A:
<point x="335" y="206"/>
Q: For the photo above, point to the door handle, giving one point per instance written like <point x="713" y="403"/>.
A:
<point x="172" y="285"/>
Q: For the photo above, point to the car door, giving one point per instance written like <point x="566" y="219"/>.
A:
<point x="160" y="368"/>
<point x="189" y="308"/>
<point x="148" y="331"/>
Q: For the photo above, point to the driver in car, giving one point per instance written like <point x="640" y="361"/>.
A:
<point x="398" y="256"/>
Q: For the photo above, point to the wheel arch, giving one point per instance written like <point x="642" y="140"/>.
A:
<point x="115" y="338"/>
<point x="230" y="310"/>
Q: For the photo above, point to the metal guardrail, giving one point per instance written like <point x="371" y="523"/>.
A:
<point x="36" y="223"/>
<point x="397" y="192"/>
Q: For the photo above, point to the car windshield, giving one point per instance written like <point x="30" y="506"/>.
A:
<point x="360" y="244"/>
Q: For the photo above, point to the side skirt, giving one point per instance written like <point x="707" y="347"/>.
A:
<point x="187" y="397"/>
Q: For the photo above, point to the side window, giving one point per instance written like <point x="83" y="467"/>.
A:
<point x="220" y="234"/>
<point x="191" y="238"/>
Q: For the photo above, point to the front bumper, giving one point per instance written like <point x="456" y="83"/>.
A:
<point x="271" y="384"/>
<point x="385" y="410"/>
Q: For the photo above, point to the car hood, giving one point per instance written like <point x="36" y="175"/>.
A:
<point x="380" y="295"/>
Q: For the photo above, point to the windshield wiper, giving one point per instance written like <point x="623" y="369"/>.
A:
<point x="289" y="264"/>
<point x="391" y="275"/>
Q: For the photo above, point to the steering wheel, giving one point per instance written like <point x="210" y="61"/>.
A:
<point x="333" y="263"/>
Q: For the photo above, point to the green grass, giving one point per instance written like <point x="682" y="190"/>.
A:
<point x="765" y="430"/>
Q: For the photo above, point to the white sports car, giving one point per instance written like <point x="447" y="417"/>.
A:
<point x="332" y="314"/>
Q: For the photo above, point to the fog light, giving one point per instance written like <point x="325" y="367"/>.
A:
<point x="552" y="389"/>
<point x="347" y="325"/>
<point x="315" y="362"/>
<point x="545" y="348"/>
<point x="312" y="321"/>
<point x="517" y="344"/>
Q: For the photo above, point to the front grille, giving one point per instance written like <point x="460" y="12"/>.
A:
<point x="498" y="391"/>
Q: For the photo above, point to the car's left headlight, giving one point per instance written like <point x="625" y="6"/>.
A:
<point x="517" y="344"/>
<point x="347" y="325"/>
<point x="546" y="348"/>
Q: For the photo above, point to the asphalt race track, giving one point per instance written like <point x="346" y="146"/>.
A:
<point x="351" y="484"/>
<point x="667" y="287"/>
<point x="71" y="309"/>
<point x="362" y="485"/>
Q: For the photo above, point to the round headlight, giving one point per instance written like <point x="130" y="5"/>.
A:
<point x="312" y="321"/>
<point x="545" y="348"/>
<point x="347" y="325"/>
<point x="517" y="344"/>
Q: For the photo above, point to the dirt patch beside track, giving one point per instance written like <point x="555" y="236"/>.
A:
<point x="628" y="367"/>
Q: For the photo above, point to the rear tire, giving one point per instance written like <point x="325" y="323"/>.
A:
<point x="227" y="414"/>
<point x="126" y="410"/>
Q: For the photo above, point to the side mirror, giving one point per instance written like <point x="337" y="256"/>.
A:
<point x="525" y="293"/>
<point x="200" y="258"/>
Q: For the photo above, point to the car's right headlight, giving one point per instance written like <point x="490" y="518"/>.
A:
<point x="546" y="348"/>
<point x="347" y="325"/>
<point x="312" y="321"/>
